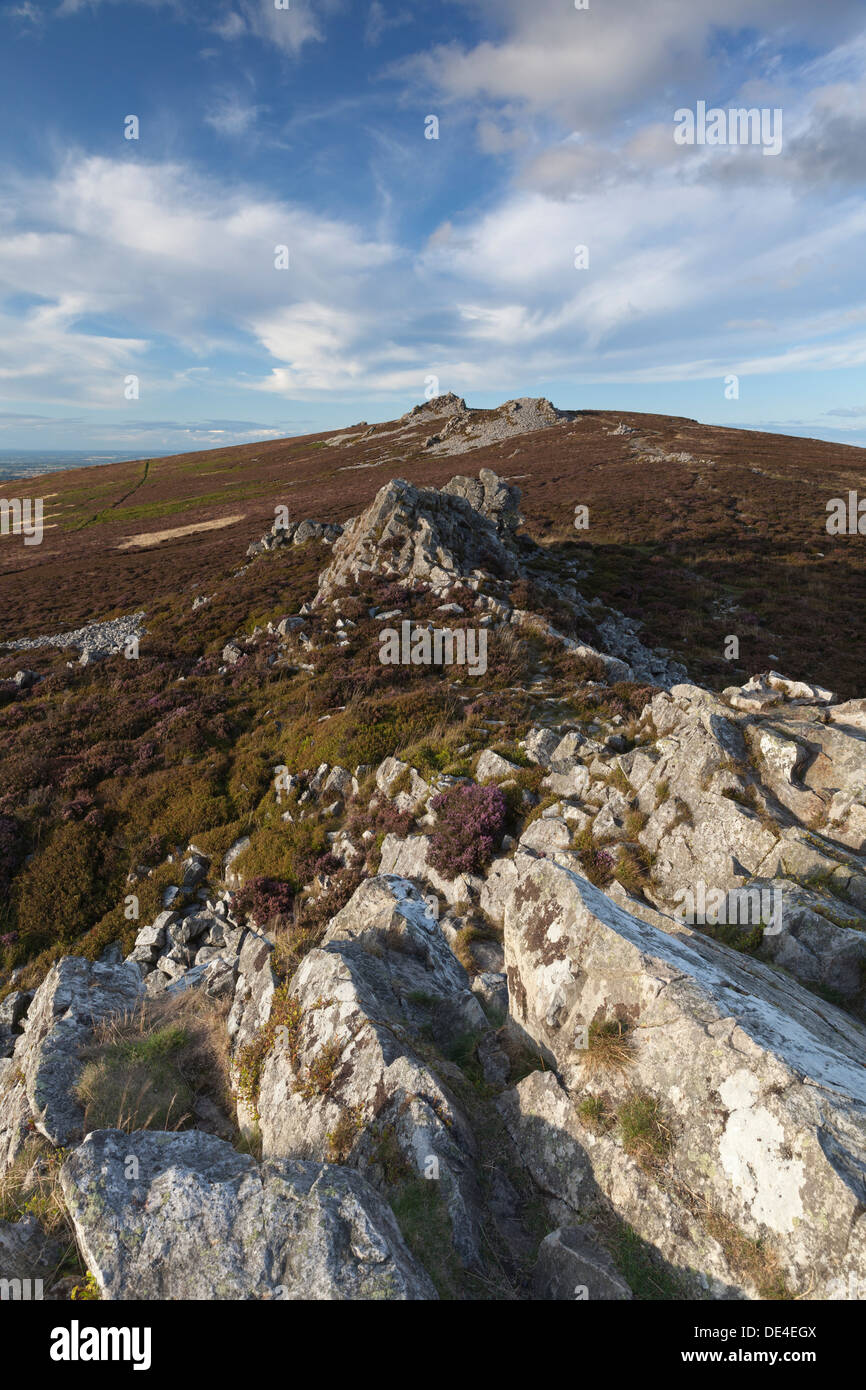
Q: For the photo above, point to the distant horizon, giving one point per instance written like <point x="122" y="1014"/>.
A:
<point x="105" y="456"/>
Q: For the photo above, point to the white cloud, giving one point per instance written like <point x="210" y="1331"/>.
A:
<point x="287" y="29"/>
<point x="588" y="66"/>
<point x="232" y="116"/>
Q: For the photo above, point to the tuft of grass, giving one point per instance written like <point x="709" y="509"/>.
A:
<point x="595" y="1115"/>
<point x="645" y="1136"/>
<point x="145" y="1071"/>
<point x="634" y="823"/>
<point x="341" y="1139"/>
<point x="30" y="1186"/>
<point x="609" y="1047"/>
<point x="634" y="868"/>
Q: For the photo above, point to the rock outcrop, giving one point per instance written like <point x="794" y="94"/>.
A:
<point x="185" y="1216"/>
<point x="352" y="1064"/>
<point x="39" y="1088"/>
<point x="757" y="1088"/>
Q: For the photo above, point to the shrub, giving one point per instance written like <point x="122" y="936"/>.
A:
<point x="266" y="899"/>
<point x="470" y="820"/>
<point x="597" y="864"/>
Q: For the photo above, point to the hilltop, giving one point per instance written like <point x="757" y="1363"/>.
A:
<point x="696" y="531"/>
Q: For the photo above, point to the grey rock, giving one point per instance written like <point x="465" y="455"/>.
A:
<point x="75" y="994"/>
<point x="572" y="1264"/>
<point x="26" y="1252"/>
<point x="767" y="1120"/>
<point x="203" y="1222"/>
<point x="383" y="972"/>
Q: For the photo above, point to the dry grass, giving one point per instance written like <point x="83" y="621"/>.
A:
<point x="30" y="1186"/>
<point x="751" y="1260"/>
<point x="145" y="1071"/>
<point x="609" y="1047"/>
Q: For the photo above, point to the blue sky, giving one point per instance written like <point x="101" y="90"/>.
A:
<point x="413" y="258"/>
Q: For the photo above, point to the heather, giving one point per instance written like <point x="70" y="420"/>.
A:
<point x="469" y="822"/>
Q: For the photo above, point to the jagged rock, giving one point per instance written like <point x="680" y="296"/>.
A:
<point x="497" y="888"/>
<point x="384" y="972"/>
<point x="216" y="977"/>
<point x="391" y="771"/>
<point x="540" y="745"/>
<point x="419" y="533"/>
<point x="230" y="875"/>
<point x="75" y="994"/>
<point x="572" y="1264"/>
<point x="195" y="869"/>
<point x="546" y="835"/>
<point x="818" y="940"/>
<point x="491" y="767"/>
<point x="200" y="1221"/>
<point x="574" y="782"/>
<point x="766" y="1121"/>
<point x="26" y="1252"/>
<point x="408" y="859"/>
<point x="772" y="689"/>
<point x="491" y="496"/>
<point x="14" y="1007"/>
<point x="254" y="992"/>
<point x="338" y="780"/>
<point x="231" y="653"/>
<point x="698" y="831"/>
<point x="492" y="989"/>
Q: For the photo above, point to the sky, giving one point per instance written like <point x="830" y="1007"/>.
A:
<point x="145" y="304"/>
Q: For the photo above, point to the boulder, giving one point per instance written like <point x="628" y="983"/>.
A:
<point x="75" y="994"/>
<point x="419" y="533"/>
<point x="353" y="1061"/>
<point x="760" y="1085"/>
<point x="27" y="1253"/>
<point x="408" y="859"/>
<point x="254" y="991"/>
<point x="492" y="768"/>
<point x="572" y="1264"/>
<point x="201" y="1222"/>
